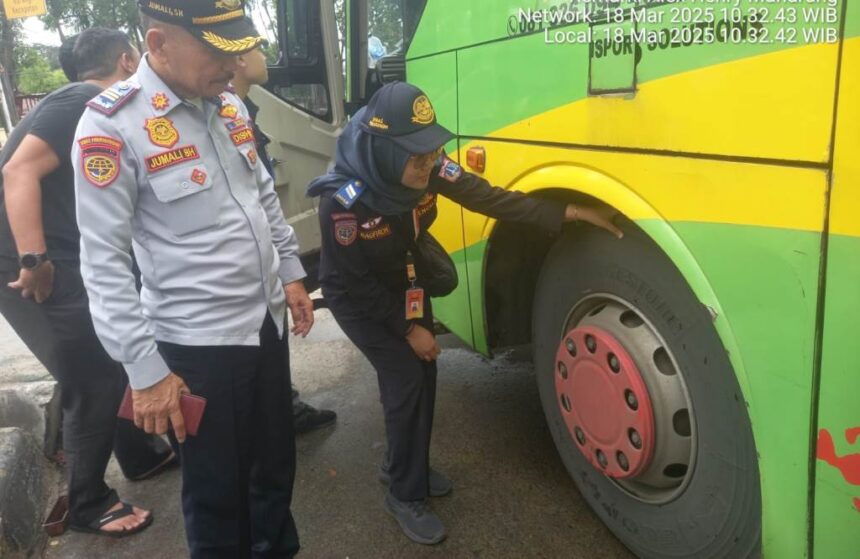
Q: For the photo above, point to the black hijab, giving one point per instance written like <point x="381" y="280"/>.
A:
<point x="378" y="162"/>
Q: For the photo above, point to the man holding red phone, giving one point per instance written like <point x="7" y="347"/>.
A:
<point x="166" y="163"/>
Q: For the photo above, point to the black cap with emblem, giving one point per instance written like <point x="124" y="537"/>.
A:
<point x="402" y="113"/>
<point x="220" y="24"/>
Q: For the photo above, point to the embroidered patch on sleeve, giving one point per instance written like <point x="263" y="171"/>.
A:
<point x="100" y="161"/>
<point x="345" y="231"/>
<point x="166" y="159"/>
<point x="450" y="171"/>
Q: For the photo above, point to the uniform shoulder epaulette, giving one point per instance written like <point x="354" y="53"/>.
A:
<point x="111" y="99"/>
<point x="349" y="193"/>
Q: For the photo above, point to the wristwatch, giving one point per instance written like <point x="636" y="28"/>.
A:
<point x="32" y="260"/>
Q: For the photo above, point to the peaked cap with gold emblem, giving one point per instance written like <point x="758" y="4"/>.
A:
<point x="220" y="24"/>
<point x="402" y="113"/>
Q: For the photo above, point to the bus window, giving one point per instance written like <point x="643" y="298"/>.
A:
<point x="296" y="53"/>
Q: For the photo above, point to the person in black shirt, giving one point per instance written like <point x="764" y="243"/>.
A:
<point x="43" y="298"/>
<point x="252" y="70"/>
<point x="375" y="206"/>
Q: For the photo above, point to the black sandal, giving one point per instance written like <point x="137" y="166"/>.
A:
<point x="95" y="527"/>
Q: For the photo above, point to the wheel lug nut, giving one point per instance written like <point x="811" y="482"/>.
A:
<point x="632" y="402"/>
<point x="562" y="370"/>
<point x="635" y="439"/>
<point x="622" y="461"/>
<point x="601" y="458"/>
<point x="591" y="343"/>
<point x="571" y="347"/>
<point x="580" y="436"/>
<point x="565" y="403"/>
<point x="614" y="364"/>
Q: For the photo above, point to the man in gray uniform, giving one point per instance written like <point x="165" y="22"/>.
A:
<point x="166" y="163"/>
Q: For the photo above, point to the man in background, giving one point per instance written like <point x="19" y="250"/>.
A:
<point x="252" y="70"/>
<point x="42" y="294"/>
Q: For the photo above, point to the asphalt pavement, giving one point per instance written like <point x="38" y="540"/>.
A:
<point x="512" y="496"/>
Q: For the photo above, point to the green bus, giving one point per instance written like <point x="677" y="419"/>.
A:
<point x="700" y="378"/>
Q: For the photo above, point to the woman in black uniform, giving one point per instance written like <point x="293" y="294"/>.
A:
<point x="374" y="204"/>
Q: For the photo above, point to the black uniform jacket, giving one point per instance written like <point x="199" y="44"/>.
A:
<point x="363" y="261"/>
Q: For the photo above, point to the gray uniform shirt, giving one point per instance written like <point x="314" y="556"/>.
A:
<point x="185" y="188"/>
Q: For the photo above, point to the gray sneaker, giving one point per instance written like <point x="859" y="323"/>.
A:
<point x="440" y="484"/>
<point x="418" y="522"/>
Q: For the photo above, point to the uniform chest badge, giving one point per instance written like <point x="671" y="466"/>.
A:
<point x="252" y="157"/>
<point x="162" y="132"/>
<point x="100" y="159"/>
<point x="370" y="224"/>
<point x="345" y="231"/>
<point x="229" y="111"/>
<point x="198" y="176"/>
<point x="160" y="101"/>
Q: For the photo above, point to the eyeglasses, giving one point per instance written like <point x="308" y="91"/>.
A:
<point x="427" y="159"/>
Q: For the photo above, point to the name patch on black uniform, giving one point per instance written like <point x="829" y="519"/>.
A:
<point x="377" y="233"/>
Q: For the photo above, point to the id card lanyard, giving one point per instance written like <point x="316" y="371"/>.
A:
<point x="414" y="295"/>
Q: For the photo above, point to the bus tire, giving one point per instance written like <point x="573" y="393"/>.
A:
<point x="715" y="510"/>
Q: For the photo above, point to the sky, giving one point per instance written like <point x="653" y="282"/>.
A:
<point x="35" y="32"/>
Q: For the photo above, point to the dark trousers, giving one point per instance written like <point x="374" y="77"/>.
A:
<point x="407" y="388"/>
<point x="60" y="334"/>
<point x="238" y="472"/>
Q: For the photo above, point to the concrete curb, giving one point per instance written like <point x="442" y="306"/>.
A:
<point x="23" y="488"/>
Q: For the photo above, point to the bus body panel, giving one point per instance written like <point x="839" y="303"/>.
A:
<point x="837" y="479"/>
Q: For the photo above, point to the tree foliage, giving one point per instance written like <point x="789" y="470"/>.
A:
<point x="35" y="72"/>
<point x="77" y="15"/>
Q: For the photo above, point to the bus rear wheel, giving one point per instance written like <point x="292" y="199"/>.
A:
<point x="642" y="401"/>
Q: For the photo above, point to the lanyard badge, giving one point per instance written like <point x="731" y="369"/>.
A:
<point x="414" y="295"/>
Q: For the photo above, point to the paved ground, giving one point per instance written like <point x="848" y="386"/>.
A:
<point x="512" y="496"/>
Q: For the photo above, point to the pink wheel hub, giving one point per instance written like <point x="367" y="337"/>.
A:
<point x="604" y="402"/>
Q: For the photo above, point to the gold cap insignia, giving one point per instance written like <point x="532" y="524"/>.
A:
<point x="228" y="4"/>
<point x="422" y="111"/>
